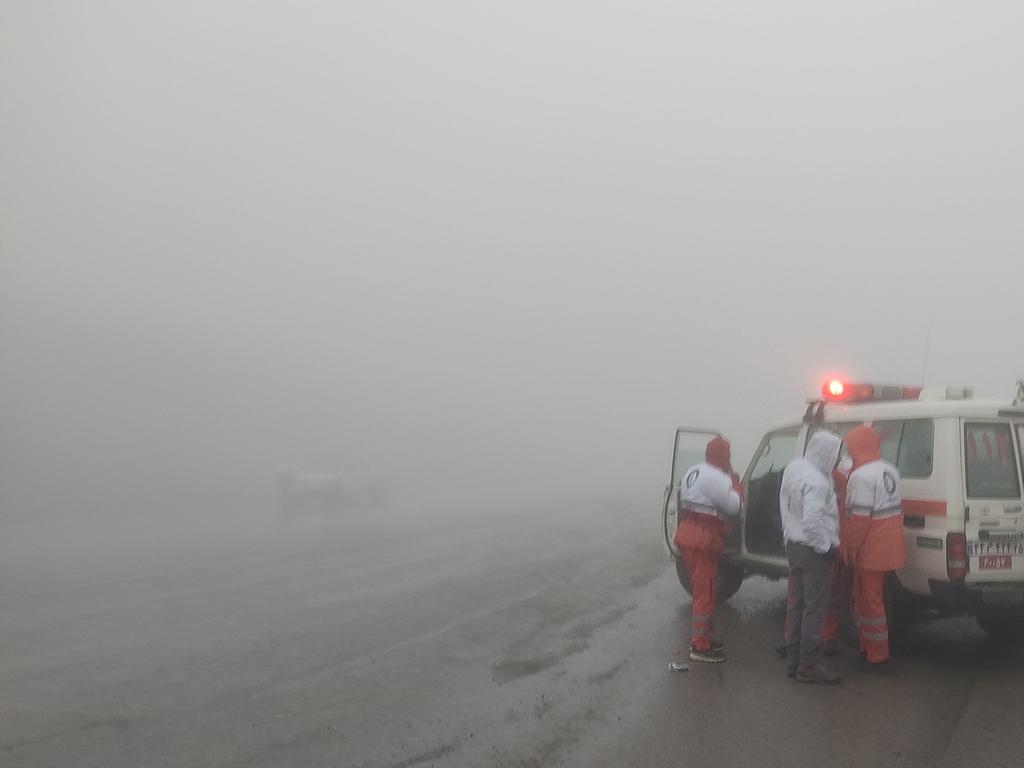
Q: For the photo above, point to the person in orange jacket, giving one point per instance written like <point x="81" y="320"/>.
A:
<point x="709" y="499"/>
<point x="874" y="542"/>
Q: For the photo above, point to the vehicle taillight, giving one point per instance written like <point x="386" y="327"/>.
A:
<point x="956" y="556"/>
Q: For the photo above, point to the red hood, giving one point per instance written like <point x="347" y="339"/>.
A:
<point x="864" y="446"/>
<point x="718" y="454"/>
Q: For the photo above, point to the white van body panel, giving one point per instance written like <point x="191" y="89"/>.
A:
<point x="985" y="436"/>
<point x="937" y="505"/>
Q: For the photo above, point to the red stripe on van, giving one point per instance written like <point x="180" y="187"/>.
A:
<point x="924" y="508"/>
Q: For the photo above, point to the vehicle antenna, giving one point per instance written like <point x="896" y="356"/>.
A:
<point x="927" y="344"/>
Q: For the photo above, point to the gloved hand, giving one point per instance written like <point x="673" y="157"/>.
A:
<point x="737" y="485"/>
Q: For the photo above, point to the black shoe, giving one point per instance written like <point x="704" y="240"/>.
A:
<point x="817" y="674"/>
<point x="881" y="667"/>
<point x="710" y="656"/>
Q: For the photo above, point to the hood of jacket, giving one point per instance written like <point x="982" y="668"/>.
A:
<point x="864" y="446"/>
<point x="823" y="450"/>
<point x="719" y="454"/>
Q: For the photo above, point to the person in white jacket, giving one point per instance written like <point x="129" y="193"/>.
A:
<point x="810" y="528"/>
<point x="709" y="501"/>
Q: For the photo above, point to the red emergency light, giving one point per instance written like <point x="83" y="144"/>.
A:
<point x="839" y="391"/>
<point x="835" y="388"/>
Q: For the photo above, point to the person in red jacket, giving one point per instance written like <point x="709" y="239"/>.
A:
<point x="709" y="499"/>
<point x="874" y="527"/>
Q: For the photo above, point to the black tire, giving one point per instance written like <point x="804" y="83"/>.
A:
<point x="1008" y="627"/>
<point x="730" y="579"/>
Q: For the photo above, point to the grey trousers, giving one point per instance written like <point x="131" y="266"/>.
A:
<point x="810" y="577"/>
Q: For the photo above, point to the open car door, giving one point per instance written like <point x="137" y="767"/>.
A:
<point x="762" y="523"/>
<point x="688" y="450"/>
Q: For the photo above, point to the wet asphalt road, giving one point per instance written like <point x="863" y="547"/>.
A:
<point x="525" y="639"/>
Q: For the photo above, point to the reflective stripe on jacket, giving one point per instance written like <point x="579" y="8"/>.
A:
<point x="874" y="517"/>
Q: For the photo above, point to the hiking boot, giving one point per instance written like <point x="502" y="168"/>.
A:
<point x="717" y="645"/>
<point x="817" y="674"/>
<point x="830" y="648"/>
<point x="710" y="656"/>
<point x="882" y="667"/>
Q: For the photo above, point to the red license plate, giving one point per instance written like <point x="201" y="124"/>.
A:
<point x="995" y="562"/>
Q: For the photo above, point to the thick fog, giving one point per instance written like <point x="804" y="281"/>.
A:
<point x="494" y="251"/>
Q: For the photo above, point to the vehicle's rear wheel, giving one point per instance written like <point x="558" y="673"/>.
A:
<point x="730" y="579"/>
<point x="1002" y="625"/>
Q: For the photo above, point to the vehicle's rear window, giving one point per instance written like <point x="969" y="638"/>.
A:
<point x="990" y="461"/>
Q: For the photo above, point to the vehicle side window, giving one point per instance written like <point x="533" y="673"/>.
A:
<point x="839" y="429"/>
<point x="916" y="447"/>
<point x="890" y="432"/>
<point x="689" y="451"/>
<point x="776" y="452"/>
<point x="990" y="461"/>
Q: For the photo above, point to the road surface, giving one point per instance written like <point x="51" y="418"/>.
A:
<point x="525" y="638"/>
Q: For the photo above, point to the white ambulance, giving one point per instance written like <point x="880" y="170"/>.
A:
<point x="961" y="462"/>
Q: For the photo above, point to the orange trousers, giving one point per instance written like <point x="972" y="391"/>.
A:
<point x="835" y="602"/>
<point x="702" y="568"/>
<point x="869" y="611"/>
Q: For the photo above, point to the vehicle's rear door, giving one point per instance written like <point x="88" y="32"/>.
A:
<point x="688" y="449"/>
<point x="992" y="490"/>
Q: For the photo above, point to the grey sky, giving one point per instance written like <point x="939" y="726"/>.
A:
<point x="504" y="243"/>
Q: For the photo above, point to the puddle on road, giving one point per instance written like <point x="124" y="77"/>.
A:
<point x="508" y="670"/>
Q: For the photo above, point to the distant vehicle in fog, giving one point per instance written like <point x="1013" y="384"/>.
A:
<point x="354" y="489"/>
